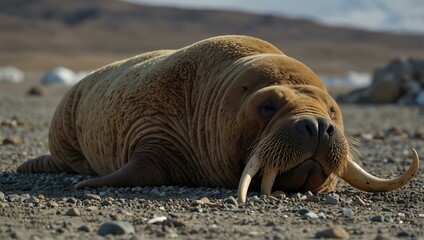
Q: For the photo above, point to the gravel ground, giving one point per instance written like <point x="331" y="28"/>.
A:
<point x="45" y="206"/>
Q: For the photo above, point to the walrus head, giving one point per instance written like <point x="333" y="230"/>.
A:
<point x="299" y="143"/>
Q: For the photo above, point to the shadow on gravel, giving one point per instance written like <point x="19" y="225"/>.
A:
<point x="62" y="185"/>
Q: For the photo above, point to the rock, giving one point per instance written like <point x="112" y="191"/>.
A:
<point x="303" y="211"/>
<point x="9" y="122"/>
<point x="156" y="220"/>
<point x="332" y="199"/>
<point x="72" y="200"/>
<point x="377" y="218"/>
<point x="92" y="208"/>
<point x="92" y="196"/>
<point x="59" y="75"/>
<point x="384" y="89"/>
<point x="410" y="90"/>
<point x="321" y="215"/>
<point x="85" y="228"/>
<point x="401" y="67"/>
<point x="401" y="81"/>
<point x="32" y="199"/>
<point x="279" y="194"/>
<point x="106" y="203"/>
<point x="420" y="98"/>
<point x="116" y="228"/>
<point x="404" y="234"/>
<point x="232" y="200"/>
<point x="1" y="195"/>
<point x="333" y="232"/>
<point x="9" y="74"/>
<point x="73" y="212"/>
<point x="37" y="91"/>
<point x="52" y="204"/>
<point x="311" y="215"/>
<point x="312" y="199"/>
<point x="347" y="212"/>
<point x="20" y="234"/>
<point x="12" y="140"/>
<point x="4" y="205"/>
<point x="201" y="201"/>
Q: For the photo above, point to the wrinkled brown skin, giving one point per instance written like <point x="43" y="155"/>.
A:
<point x="184" y="117"/>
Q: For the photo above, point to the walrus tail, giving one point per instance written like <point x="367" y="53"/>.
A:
<point x="42" y="164"/>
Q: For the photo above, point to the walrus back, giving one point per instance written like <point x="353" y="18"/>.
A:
<point x="77" y="141"/>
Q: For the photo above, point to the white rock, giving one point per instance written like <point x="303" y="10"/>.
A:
<point x="59" y="75"/>
<point x="156" y="220"/>
<point x="11" y="74"/>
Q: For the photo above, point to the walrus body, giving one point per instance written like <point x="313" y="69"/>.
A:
<point x="196" y="116"/>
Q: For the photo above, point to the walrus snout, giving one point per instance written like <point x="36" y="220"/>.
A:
<point x="315" y="133"/>
<point x="307" y="176"/>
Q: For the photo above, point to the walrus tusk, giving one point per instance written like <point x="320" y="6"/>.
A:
<point x="360" y="179"/>
<point x="268" y="181"/>
<point x="252" y="167"/>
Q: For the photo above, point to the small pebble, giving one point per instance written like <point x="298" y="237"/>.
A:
<point x="156" y="220"/>
<point x="232" y="200"/>
<point x="311" y="215"/>
<point x="116" y="228"/>
<point x="106" y="203"/>
<point x="332" y="199"/>
<point x="85" y="228"/>
<point x="12" y="140"/>
<point x="37" y="91"/>
<point x="201" y="201"/>
<point x="4" y="205"/>
<point x="73" y="212"/>
<point x="347" y="212"/>
<point x="303" y="211"/>
<point x="404" y="234"/>
<point x="279" y="194"/>
<point x="52" y="204"/>
<point x="32" y="199"/>
<point x="72" y="200"/>
<point x="377" y="218"/>
<point x="92" y="208"/>
<point x="312" y="198"/>
<point x="333" y="232"/>
<point x="93" y="196"/>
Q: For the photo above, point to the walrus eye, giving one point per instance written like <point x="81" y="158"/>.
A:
<point x="267" y="109"/>
<point x="332" y="112"/>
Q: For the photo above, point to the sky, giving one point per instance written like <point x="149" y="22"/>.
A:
<point x="401" y="16"/>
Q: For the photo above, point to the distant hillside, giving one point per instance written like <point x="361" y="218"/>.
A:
<point x="38" y="35"/>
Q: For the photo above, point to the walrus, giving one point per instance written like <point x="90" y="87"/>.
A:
<point x="215" y="113"/>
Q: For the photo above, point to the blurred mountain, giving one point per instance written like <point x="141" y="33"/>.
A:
<point x="406" y="16"/>
<point x="84" y="35"/>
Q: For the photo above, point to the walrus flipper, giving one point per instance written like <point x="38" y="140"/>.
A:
<point x="130" y="175"/>
<point x="42" y="164"/>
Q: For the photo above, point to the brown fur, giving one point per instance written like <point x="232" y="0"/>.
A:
<point x="184" y="117"/>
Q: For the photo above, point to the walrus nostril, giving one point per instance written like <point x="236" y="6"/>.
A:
<point x="308" y="127"/>
<point x="326" y="127"/>
<point x="330" y="130"/>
